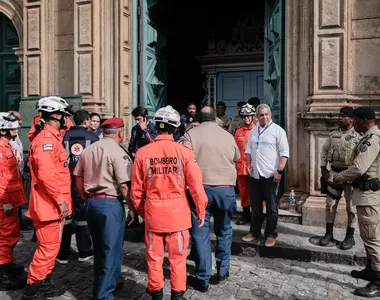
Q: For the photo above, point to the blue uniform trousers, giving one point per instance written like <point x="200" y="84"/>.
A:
<point x="106" y="220"/>
<point x="221" y="205"/>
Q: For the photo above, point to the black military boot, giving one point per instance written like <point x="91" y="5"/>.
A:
<point x="372" y="289"/>
<point x="366" y="274"/>
<point x="49" y="289"/>
<point x="8" y="281"/>
<point x="157" y="295"/>
<point x="328" y="236"/>
<point x="33" y="292"/>
<point x="15" y="269"/>
<point x="348" y="241"/>
<point x="177" y="295"/>
<point x="246" y="218"/>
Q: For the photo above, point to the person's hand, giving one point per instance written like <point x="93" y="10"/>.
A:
<point x="277" y="177"/>
<point x="64" y="209"/>
<point x="8" y="209"/>
<point x="144" y="124"/>
<point x="201" y="222"/>
<point x="249" y="170"/>
<point x="132" y="217"/>
<point x="325" y="173"/>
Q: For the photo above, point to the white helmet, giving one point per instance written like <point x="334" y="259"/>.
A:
<point x="167" y="115"/>
<point x="247" y="110"/>
<point x="53" y="104"/>
<point x="8" y="121"/>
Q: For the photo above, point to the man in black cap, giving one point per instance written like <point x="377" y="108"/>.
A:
<point x="221" y="114"/>
<point x="364" y="173"/>
<point x="336" y="152"/>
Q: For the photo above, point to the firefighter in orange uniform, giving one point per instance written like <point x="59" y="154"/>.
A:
<point x="11" y="197"/>
<point x="241" y="137"/>
<point x="37" y="123"/>
<point x="161" y="172"/>
<point x="50" y="198"/>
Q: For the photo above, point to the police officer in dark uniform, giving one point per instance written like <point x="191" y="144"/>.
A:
<point x="76" y="139"/>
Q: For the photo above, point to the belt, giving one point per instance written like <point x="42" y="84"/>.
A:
<point x="218" y="185"/>
<point x="102" y="196"/>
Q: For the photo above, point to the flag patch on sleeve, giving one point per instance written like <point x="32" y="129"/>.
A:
<point x="47" y="147"/>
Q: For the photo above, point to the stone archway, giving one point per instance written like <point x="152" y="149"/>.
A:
<point x="14" y="11"/>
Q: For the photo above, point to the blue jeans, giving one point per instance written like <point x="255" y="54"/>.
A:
<point x="106" y="221"/>
<point x="221" y="205"/>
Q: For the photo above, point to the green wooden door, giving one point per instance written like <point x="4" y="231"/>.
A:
<point x="10" y="77"/>
<point x="274" y="59"/>
<point x="152" y="48"/>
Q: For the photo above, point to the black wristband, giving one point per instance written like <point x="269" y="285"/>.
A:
<point x="280" y="172"/>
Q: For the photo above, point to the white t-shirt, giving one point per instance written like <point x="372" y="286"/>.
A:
<point x="19" y="152"/>
<point x="266" y="146"/>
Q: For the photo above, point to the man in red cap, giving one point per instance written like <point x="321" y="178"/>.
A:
<point x="104" y="192"/>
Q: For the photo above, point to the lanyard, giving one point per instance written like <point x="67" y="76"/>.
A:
<point x="265" y="128"/>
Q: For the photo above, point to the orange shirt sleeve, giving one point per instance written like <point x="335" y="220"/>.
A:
<point x="137" y="186"/>
<point x="44" y="169"/>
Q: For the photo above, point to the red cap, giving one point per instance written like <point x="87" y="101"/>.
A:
<point x="113" y="123"/>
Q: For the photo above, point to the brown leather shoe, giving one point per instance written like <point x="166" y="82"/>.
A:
<point x="270" y="242"/>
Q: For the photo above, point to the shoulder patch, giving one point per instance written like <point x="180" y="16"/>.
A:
<point x="76" y="149"/>
<point x="363" y="148"/>
<point x="349" y="137"/>
<point x="47" y="147"/>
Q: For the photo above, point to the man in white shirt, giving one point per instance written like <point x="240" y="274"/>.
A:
<point x="267" y="154"/>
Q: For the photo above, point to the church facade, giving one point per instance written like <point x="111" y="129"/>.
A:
<point x="311" y="58"/>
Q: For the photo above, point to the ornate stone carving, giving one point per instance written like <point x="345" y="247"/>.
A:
<point x="247" y="36"/>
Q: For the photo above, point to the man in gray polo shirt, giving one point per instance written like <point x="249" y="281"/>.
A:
<point x="267" y="154"/>
<point x="216" y="152"/>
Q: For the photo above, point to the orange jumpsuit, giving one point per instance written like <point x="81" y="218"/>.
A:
<point x="161" y="171"/>
<point x="11" y="191"/>
<point x="36" y="120"/>
<point x="50" y="187"/>
<point x="241" y="139"/>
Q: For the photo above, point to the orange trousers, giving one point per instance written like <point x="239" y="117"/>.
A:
<point x="9" y="235"/>
<point x="49" y="236"/>
<point x="176" y="243"/>
<point x="243" y="190"/>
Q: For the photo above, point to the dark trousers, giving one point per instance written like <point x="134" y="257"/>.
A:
<point x="82" y="232"/>
<point x="106" y="220"/>
<point x="264" y="189"/>
<point x="221" y="205"/>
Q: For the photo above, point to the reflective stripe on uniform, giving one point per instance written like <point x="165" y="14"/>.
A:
<point x="81" y="223"/>
<point x="179" y="236"/>
<point x="60" y="231"/>
<point x="149" y="170"/>
<point x="150" y="241"/>
<point x="67" y="148"/>
<point x="179" y="170"/>
<point x="88" y="143"/>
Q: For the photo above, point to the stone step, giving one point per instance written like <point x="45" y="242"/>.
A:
<point x="298" y="242"/>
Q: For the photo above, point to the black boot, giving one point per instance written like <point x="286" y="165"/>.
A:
<point x="157" y="295"/>
<point x="372" y="289"/>
<point x="15" y="269"/>
<point x="33" y="292"/>
<point x="349" y="241"/>
<point x="328" y="236"/>
<point x="246" y="218"/>
<point x="177" y="295"/>
<point x="49" y="289"/>
<point x="8" y="281"/>
<point x="366" y="274"/>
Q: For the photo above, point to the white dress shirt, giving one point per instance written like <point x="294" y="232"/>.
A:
<point x="19" y="153"/>
<point x="266" y="146"/>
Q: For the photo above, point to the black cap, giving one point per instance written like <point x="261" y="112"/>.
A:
<point x="221" y="103"/>
<point x="348" y="111"/>
<point x="241" y="103"/>
<point x="365" y="113"/>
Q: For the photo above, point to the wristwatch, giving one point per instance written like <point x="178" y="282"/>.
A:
<point x="280" y="172"/>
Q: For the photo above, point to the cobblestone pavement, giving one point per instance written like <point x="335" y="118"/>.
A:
<point x="250" y="278"/>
